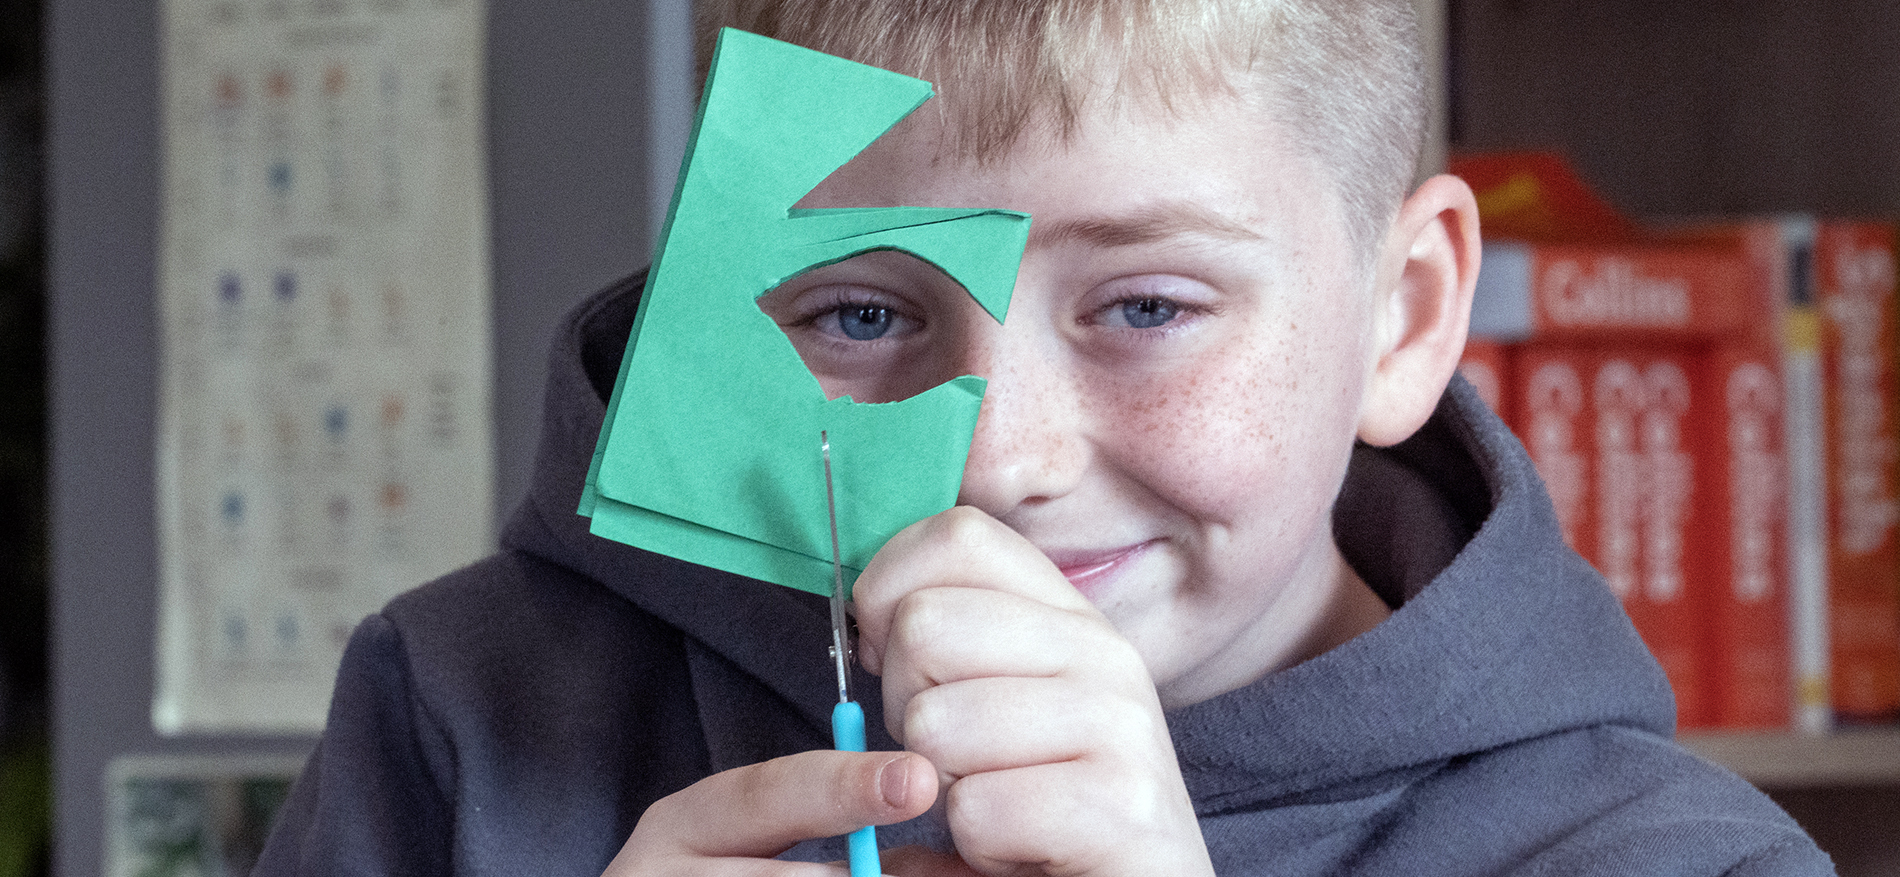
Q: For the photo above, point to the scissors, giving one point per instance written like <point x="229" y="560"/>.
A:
<point x="847" y="718"/>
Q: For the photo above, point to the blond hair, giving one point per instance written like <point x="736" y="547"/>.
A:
<point x="1346" y="75"/>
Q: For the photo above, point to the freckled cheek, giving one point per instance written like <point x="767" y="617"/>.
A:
<point x="1204" y="438"/>
<point x="1222" y="436"/>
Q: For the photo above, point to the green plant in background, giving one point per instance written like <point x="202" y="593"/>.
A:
<point x="25" y="824"/>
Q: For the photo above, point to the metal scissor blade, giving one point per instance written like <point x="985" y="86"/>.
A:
<point x="847" y="718"/>
<point x="840" y="632"/>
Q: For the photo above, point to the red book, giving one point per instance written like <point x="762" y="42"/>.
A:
<point x="1745" y="496"/>
<point x="1854" y="294"/>
<point x="1550" y="413"/>
<point x="1647" y="473"/>
<point x="1781" y="250"/>
<point x="1676" y="289"/>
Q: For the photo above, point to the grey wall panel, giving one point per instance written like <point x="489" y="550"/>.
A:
<point x="101" y="184"/>
<point x="569" y="113"/>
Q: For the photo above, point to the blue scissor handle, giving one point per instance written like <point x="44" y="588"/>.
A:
<point x="847" y="735"/>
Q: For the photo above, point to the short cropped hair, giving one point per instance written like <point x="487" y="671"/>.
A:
<point x="1345" y="75"/>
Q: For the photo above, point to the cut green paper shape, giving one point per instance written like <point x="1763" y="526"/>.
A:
<point x="709" y="452"/>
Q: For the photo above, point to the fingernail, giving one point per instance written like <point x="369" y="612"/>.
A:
<point x="893" y="781"/>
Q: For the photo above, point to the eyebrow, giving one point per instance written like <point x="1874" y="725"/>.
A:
<point x="1168" y="220"/>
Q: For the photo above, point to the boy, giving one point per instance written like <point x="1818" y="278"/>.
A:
<point x="1235" y="585"/>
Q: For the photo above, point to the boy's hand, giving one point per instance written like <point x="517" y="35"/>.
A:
<point x="1040" y="717"/>
<point x="734" y="822"/>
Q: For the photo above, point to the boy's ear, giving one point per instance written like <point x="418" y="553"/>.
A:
<point x="1426" y="271"/>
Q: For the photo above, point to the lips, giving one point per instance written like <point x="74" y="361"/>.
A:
<point x="1087" y="570"/>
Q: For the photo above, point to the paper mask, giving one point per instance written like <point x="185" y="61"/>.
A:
<point x="709" y="452"/>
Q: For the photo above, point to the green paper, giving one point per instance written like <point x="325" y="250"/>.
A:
<point x="709" y="452"/>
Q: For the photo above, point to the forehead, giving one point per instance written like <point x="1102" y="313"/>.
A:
<point x="1013" y="64"/>
<point x="1217" y="166"/>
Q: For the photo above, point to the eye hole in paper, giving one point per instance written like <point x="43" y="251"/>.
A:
<point x="881" y="326"/>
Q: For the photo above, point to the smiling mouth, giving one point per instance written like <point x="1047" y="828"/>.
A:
<point x="1087" y="570"/>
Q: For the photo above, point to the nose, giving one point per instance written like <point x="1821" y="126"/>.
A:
<point x="1031" y="443"/>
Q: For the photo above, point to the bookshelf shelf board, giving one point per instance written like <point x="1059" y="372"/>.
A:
<point x="1849" y="757"/>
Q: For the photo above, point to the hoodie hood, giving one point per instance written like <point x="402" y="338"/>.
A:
<point x="748" y="633"/>
<point x="1500" y="633"/>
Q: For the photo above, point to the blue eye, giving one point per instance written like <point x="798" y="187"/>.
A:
<point x="864" y="322"/>
<point x="1148" y="313"/>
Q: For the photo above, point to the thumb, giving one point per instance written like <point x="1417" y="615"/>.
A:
<point x="761" y="810"/>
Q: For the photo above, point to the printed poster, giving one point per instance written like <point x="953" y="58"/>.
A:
<point x="324" y="439"/>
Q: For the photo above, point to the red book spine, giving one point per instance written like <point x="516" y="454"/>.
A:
<point x="1745" y="486"/>
<point x="1855" y="276"/>
<point x="1618" y="400"/>
<point x="1746" y="496"/>
<point x="1646" y="502"/>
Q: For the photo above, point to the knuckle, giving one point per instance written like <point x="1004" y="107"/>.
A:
<point x="925" y="725"/>
<point x="960" y="527"/>
<point x="1127" y="720"/>
<point x="1133" y="793"/>
<point x="1003" y="825"/>
<point x="751" y="783"/>
<point x="1064" y="818"/>
<point x="980" y="830"/>
<point x="1111" y="658"/>
<point x="920" y="620"/>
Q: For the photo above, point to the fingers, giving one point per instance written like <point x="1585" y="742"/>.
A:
<point x="1073" y="818"/>
<point x="999" y="723"/>
<point x="940" y="638"/>
<point x="761" y="810"/>
<point x="962" y="547"/>
<point x="959" y="632"/>
<point x="1041" y="718"/>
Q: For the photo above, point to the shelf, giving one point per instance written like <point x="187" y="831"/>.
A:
<point x="1850" y="757"/>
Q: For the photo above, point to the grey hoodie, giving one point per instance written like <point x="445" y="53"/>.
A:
<point x="517" y="716"/>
